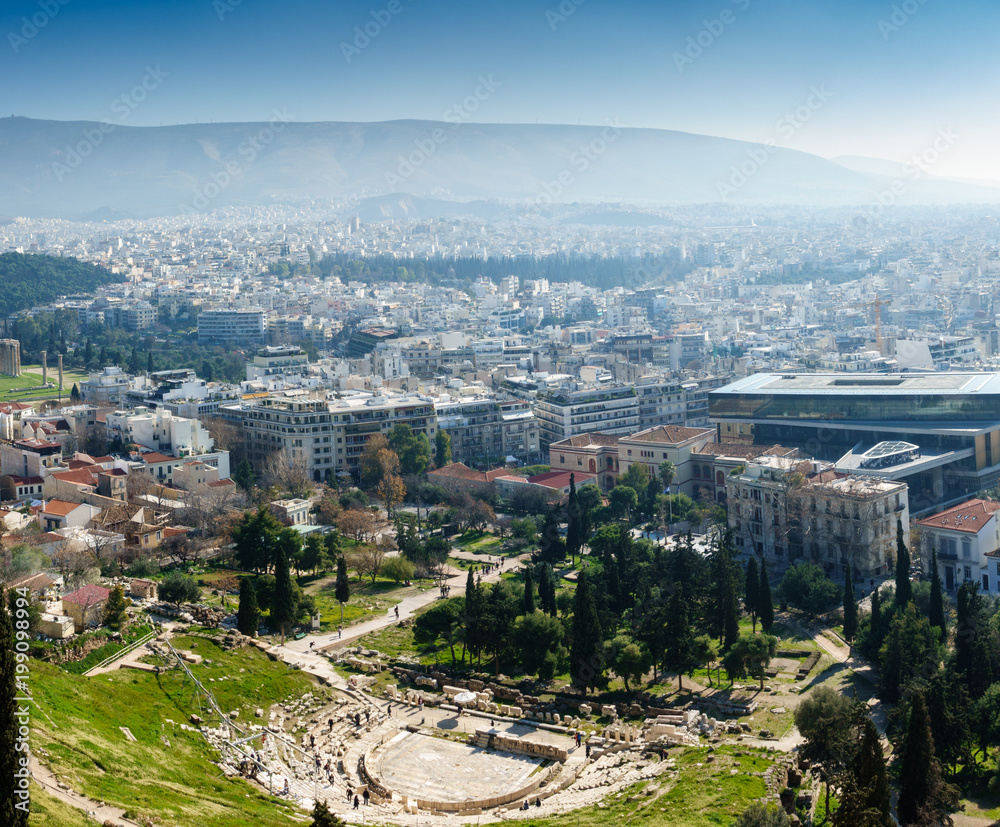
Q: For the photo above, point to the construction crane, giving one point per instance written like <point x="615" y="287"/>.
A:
<point x="876" y="304"/>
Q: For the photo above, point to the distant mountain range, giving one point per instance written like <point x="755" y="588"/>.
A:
<point x="419" y="169"/>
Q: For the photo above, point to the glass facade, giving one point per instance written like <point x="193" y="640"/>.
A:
<point x="857" y="406"/>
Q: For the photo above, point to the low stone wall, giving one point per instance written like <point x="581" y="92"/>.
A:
<point x="473" y="806"/>
<point x="511" y="743"/>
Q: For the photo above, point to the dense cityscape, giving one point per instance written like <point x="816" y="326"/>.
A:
<point x="442" y="414"/>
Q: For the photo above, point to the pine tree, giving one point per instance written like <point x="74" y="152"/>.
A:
<point x="751" y="591"/>
<point x="765" y="605"/>
<point x="865" y="794"/>
<point x="248" y="614"/>
<point x="322" y="817"/>
<point x="587" y="652"/>
<point x="283" y="608"/>
<point x="115" y="615"/>
<point x="935" y="612"/>
<point x="529" y="594"/>
<point x="10" y="803"/>
<point x="850" y="605"/>
<point x="243" y="476"/>
<point x="923" y="795"/>
<point x="904" y="588"/>
<point x="342" y="590"/>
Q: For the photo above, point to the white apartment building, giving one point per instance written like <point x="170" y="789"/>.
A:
<point x="238" y="326"/>
<point x="106" y="388"/>
<point x="327" y="436"/>
<point x="967" y="539"/>
<point x="277" y="360"/>
<point x="176" y="438"/>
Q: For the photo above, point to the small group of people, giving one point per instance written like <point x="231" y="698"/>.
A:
<point x="445" y="590"/>
<point x="351" y="795"/>
<point x="527" y="804"/>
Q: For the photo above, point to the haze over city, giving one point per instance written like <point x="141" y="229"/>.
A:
<point x="566" y="412"/>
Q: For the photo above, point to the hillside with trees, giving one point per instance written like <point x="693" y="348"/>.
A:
<point x="27" y="281"/>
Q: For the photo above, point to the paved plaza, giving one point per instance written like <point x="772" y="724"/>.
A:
<point x="436" y="769"/>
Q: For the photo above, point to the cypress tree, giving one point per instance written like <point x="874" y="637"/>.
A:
<point x="248" y="614"/>
<point x="876" y="625"/>
<point x="10" y="811"/>
<point x="574" y="526"/>
<point x="923" y="795"/>
<point x="678" y="655"/>
<point x="587" y="651"/>
<point x="935" y="612"/>
<point x="473" y="617"/>
<point x="283" y="608"/>
<point x="549" y="601"/>
<point x="904" y="588"/>
<point x="850" y="605"/>
<point x="149" y="362"/>
<point x="529" y="593"/>
<point x="765" y="605"/>
<point x="751" y="591"/>
<point x="342" y="589"/>
<point x="865" y="798"/>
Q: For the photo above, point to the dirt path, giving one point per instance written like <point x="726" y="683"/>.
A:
<point x="308" y="652"/>
<point x="99" y="811"/>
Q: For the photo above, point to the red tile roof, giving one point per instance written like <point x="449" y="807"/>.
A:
<point x="560" y="479"/>
<point x="668" y="434"/>
<point x="584" y="440"/>
<point x="60" y="507"/>
<point x="153" y="457"/>
<point x="89" y="595"/>
<point x="78" y="476"/>
<point x="969" y="516"/>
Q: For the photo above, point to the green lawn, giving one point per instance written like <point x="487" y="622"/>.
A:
<point x="49" y="811"/>
<point x="367" y="599"/>
<point x="78" y="722"/>
<point x="11" y="387"/>
<point x="703" y="795"/>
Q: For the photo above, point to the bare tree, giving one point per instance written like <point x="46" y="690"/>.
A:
<point x="357" y="524"/>
<point x="75" y="561"/>
<point x="138" y="484"/>
<point x="285" y="472"/>
<point x="367" y="559"/>
<point x="228" y="436"/>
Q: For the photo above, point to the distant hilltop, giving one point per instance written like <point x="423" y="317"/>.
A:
<point x="87" y="170"/>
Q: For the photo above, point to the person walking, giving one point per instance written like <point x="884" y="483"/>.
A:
<point x="397" y="613"/>
<point x="367" y="796"/>
<point x="357" y="801"/>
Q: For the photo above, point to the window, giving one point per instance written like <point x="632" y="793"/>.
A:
<point x="562" y="459"/>
<point x="966" y="549"/>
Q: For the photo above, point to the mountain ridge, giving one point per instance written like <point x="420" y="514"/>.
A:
<point x="77" y="169"/>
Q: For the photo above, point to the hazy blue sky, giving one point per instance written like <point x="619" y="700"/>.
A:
<point x="890" y="74"/>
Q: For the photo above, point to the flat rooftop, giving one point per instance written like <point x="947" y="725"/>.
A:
<point x="871" y="384"/>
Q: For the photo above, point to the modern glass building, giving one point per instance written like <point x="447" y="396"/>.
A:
<point x="951" y="420"/>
